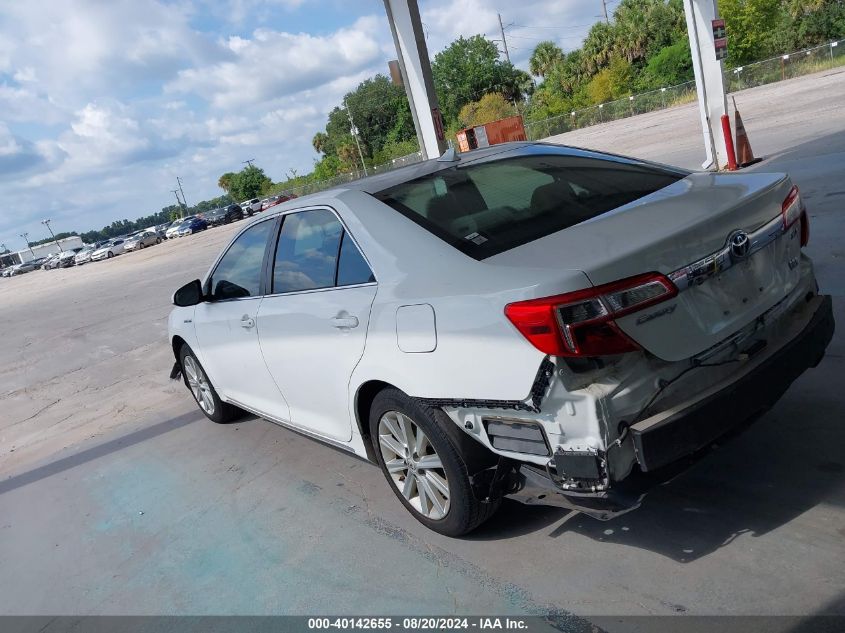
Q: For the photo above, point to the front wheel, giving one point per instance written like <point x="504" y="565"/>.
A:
<point x="200" y="387"/>
<point x="109" y="255"/>
<point x="423" y="465"/>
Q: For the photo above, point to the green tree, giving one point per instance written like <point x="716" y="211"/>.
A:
<point x="469" y="68"/>
<point x="248" y="183"/>
<point x="752" y="27"/>
<point x="612" y="82"/>
<point x="672" y="65"/>
<point x="546" y="55"/>
<point x="491" y="107"/>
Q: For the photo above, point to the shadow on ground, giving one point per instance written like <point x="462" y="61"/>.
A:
<point x="785" y="464"/>
<point x="100" y="450"/>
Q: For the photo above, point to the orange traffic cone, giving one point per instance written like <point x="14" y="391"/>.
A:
<point x="743" y="146"/>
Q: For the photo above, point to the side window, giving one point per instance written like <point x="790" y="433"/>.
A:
<point x="238" y="274"/>
<point x="352" y="268"/>
<point x="306" y="255"/>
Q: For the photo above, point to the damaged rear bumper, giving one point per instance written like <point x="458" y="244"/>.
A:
<point x="659" y="442"/>
<point x="666" y="445"/>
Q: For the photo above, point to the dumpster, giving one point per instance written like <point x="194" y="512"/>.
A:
<point x="493" y="133"/>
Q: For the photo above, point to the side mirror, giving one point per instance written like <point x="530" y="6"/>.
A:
<point x="188" y="295"/>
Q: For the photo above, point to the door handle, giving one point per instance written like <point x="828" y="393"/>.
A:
<point x="343" y="323"/>
<point x="247" y="322"/>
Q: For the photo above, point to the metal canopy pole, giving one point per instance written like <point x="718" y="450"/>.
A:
<point x="709" y="80"/>
<point x="408" y="36"/>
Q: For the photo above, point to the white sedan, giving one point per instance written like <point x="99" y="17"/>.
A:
<point x="556" y="325"/>
<point x="108" y="250"/>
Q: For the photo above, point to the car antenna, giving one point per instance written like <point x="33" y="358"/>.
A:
<point x="449" y="156"/>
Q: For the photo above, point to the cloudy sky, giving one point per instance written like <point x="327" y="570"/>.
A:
<point x="103" y="103"/>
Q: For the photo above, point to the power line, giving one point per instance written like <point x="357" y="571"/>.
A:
<point x="179" y="180"/>
<point x="354" y="132"/>
<point x="557" y="28"/>
<point x="248" y="162"/>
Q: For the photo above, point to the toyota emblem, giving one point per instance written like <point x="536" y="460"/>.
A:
<point x="739" y="244"/>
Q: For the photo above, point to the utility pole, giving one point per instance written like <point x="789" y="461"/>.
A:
<point x="47" y="224"/>
<point x="184" y="199"/>
<point x="25" y="236"/>
<point x="604" y="7"/>
<point x="505" y="42"/>
<point x="354" y="132"/>
<point x="249" y="162"/>
<point x="175" y="192"/>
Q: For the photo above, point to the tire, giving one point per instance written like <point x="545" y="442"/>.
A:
<point x="141" y="245"/>
<point x="158" y="240"/>
<point x="203" y="391"/>
<point x="463" y="511"/>
<point x="109" y="255"/>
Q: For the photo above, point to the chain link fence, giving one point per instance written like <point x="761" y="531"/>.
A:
<point x="783" y="67"/>
<point x="342" y="179"/>
<point x="759" y="73"/>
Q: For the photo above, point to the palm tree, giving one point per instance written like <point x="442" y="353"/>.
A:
<point x="545" y="56"/>
<point x="598" y="47"/>
<point x="225" y="181"/>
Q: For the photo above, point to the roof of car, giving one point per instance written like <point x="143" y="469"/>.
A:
<point x="379" y="182"/>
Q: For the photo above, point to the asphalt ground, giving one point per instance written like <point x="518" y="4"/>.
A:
<point x="118" y="497"/>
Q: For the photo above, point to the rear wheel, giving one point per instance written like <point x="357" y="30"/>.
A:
<point x="423" y="466"/>
<point x="201" y="388"/>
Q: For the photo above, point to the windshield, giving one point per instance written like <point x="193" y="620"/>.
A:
<point x="487" y="208"/>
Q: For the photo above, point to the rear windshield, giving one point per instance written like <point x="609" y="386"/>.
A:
<point x="484" y="209"/>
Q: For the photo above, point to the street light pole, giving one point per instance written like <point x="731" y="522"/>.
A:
<point x="47" y="224"/>
<point x="25" y="236"/>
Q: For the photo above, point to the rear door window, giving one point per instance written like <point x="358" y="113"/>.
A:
<point x="487" y="208"/>
<point x="306" y="254"/>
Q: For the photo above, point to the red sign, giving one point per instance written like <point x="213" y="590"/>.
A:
<point x="720" y="39"/>
<point x="438" y="123"/>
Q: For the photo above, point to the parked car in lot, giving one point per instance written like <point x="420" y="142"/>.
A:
<point x="174" y="226"/>
<point x="224" y="215"/>
<point x="141" y="239"/>
<point x="161" y="230"/>
<point x="191" y="225"/>
<point x="9" y="271"/>
<point x="251" y="206"/>
<point x="560" y="326"/>
<point x="66" y="259"/>
<point x="84" y="255"/>
<point x="109" y="249"/>
<point x="51" y="262"/>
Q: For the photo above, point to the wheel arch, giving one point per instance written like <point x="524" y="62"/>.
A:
<point x="176" y="343"/>
<point x="364" y="397"/>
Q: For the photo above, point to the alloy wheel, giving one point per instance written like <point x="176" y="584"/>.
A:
<point x="414" y="466"/>
<point x="198" y="384"/>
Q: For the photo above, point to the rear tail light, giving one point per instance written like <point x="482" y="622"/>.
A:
<point x="793" y="211"/>
<point x="582" y="323"/>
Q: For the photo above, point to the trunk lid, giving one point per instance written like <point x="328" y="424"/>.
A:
<point x="669" y="230"/>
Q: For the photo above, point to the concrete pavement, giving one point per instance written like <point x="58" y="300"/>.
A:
<point x="117" y="496"/>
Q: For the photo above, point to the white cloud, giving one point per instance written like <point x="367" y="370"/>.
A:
<point x="274" y="64"/>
